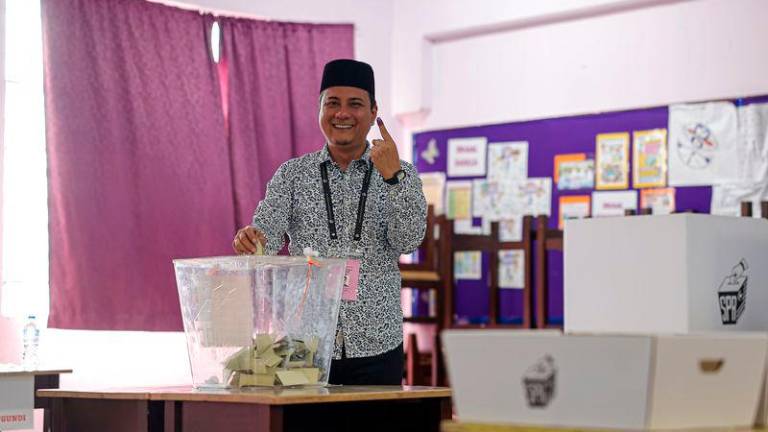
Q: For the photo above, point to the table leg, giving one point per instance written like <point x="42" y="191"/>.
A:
<point x="46" y="382"/>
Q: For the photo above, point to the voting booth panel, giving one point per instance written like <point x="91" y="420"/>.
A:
<point x="16" y="401"/>
<point x="678" y="273"/>
<point x="606" y="381"/>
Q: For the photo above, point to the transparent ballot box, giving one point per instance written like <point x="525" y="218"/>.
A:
<point x="260" y="320"/>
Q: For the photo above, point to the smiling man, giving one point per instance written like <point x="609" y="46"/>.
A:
<point x="352" y="199"/>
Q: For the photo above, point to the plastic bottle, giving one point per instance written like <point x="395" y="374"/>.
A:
<point x="31" y="340"/>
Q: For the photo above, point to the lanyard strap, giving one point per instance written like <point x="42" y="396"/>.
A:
<point x="360" y="205"/>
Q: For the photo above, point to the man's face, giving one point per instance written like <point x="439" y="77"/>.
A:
<point x="346" y="115"/>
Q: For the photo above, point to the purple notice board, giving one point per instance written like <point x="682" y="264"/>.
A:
<point x="547" y="138"/>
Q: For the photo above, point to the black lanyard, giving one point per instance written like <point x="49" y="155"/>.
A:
<point x="360" y="205"/>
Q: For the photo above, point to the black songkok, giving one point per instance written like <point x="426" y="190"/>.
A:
<point x="348" y="73"/>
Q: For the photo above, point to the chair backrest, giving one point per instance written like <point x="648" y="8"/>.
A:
<point x="492" y="245"/>
<point x="547" y="240"/>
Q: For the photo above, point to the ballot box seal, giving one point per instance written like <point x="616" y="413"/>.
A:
<point x="539" y="382"/>
<point x="732" y="293"/>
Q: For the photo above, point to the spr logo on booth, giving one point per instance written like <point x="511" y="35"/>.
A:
<point x="732" y="294"/>
<point x="539" y="382"/>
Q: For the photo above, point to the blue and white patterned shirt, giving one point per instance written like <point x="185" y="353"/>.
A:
<point x="394" y="224"/>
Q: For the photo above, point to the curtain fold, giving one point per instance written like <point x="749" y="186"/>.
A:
<point x="274" y="72"/>
<point x="139" y="171"/>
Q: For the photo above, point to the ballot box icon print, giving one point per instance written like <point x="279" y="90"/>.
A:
<point x="732" y="294"/>
<point x="539" y="382"/>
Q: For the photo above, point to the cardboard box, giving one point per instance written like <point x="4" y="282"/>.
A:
<point x="671" y="274"/>
<point x="606" y="381"/>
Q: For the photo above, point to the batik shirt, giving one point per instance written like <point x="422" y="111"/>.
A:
<point x="394" y="224"/>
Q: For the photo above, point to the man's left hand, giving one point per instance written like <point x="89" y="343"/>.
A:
<point x="384" y="153"/>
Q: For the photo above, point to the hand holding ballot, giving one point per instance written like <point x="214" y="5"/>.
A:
<point x="249" y="240"/>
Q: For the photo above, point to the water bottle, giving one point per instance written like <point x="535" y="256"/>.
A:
<point x="31" y="339"/>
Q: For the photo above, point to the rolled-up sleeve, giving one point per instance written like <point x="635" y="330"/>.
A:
<point x="273" y="214"/>
<point x="407" y="212"/>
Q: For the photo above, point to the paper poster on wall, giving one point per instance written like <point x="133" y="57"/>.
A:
<point x="511" y="229"/>
<point x="467" y="265"/>
<point x="660" y="201"/>
<point x="458" y="199"/>
<point x="573" y="207"/>
<point x="489" y="199"/>
<point x="612" y="164"/>
<point x="431" y="153"/>
<point x="575" y="175"/>
<point x="467" y="227"/>
<point x="703" y="144"/>
<point x="727" y="199"/>
<point x="500" y="200"/>
<point x="433" y="184"/>
<point x="649" y="158"/>
<point x="508" y="160"/>
<point x="466" y="157"/>
<point x="753" y="131"/>
<point x="567" y="157"/>
<point x="511" y="269"/>
<point x="534" y="196"/>
<point x="613" y="203"/>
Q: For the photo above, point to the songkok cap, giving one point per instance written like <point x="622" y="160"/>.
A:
<point x="348" y="73"/>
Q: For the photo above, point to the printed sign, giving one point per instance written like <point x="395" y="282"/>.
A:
<point x="732" y="294"/>
<point x="16" y="401"/>
<point x="466" y="157"/>
<point x="539" y="382"/>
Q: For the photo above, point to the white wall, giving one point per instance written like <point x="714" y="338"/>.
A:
<point x="517" y="60"/>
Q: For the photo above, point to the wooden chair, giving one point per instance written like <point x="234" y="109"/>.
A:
<point x="746" y="209"/>
<point x="433" y="272"/>
<point x="491" y="244"/>
<point x="546" y="240"/>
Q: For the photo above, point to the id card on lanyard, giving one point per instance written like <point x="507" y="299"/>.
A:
<point x="353" y="254"/>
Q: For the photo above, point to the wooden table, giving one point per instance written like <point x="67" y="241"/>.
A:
<point x="184" y="409"/>
<point x="452" y="426"/>
<point x="43" y="379"/>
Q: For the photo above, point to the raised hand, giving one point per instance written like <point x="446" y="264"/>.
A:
<point x="384" y="153"/>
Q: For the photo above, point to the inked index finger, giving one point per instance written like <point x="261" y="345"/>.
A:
<point x="384" y="133"/>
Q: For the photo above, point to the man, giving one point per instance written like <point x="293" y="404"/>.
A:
<point x="355" y="200"/>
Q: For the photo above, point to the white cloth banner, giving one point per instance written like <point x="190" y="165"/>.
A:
<point x="753" y="131"/>
<point x="727" y="199"/>
<point x="704" y="144"/>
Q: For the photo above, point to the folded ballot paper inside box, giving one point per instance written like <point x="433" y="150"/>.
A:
<point x="628" y="382"/>
<point x="260" y="320"/>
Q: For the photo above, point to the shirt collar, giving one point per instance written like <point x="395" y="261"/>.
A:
<point x="325" y="155"/>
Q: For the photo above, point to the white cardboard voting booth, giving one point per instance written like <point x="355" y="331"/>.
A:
<point x="606" y="381"/>
<point x="671" y="274"/>
<point x="16" y="400"/>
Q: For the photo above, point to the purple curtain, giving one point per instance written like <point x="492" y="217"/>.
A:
<point x="273" y="87"/>
<point x="139" y="170"/>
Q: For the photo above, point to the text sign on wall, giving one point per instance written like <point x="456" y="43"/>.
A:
<point x="466" y="157"/>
